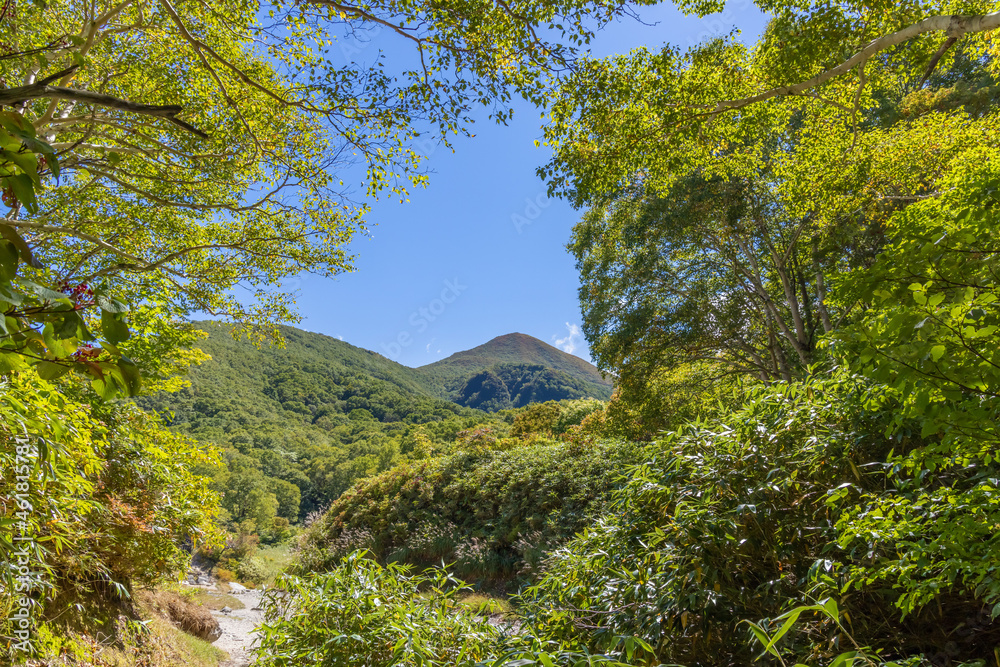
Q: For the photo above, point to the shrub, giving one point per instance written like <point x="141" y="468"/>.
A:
<point x="281" y="530"/>
<point x="251" y="569"/>
<point x="224" y="575"/>
<point x="109" y="505"/>
<point x="486" y="511"/>
<point x="362" y="613"/>
<point x="798" y="495"/>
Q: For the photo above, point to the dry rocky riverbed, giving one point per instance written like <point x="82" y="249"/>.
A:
<point x="237" y="625"/>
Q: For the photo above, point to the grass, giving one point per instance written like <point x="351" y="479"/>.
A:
<point x="184" y="649"/>
<point x="276" y="559"/>
<point x="211" y="599"/>
<point x="161" y="645"/>
<point x="181" y="611"/>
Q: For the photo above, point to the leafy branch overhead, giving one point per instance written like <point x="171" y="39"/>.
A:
<point x="207" y="151"/>
<point x="42" y="326"/>
<point x="953" y="26"/>
<point x="730" y="187"/>
<point x="43" y="90"/>
<point x="652" y="112"/>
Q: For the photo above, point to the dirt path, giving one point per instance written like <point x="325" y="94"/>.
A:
<point x="238" y="626"/>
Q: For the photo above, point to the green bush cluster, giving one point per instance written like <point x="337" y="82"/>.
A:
<point x="491" y="512"/>
<point x="364" y="613"/>
<point x="251" y="569"/>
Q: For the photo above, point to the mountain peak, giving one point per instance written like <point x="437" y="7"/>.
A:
<point x="523" y="351"/>
<point x="518" y="348"/>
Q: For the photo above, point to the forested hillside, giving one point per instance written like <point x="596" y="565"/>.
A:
<point x="317" y="413"/>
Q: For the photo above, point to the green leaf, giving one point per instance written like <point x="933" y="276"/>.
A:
<point x="790" y="621"/>
<point x="48" y="370"/>
<point x="110" y="305"/>
<point x="46" y="293"/>
<point x="10" y="361"/>
<point x="762" y="637"/>
<point x="11" y="235"/>
<point x="113" y="328"/>
<point x="69" y="325"/>
<point x="24" y="190"/>
<point x="105" y="388"/>
<point x="131" y="376"/>
<point x="845" y="659"/>
<point x="26" y="162"/>
<point x="8" y="261"/>
<point x="831" y="609"/>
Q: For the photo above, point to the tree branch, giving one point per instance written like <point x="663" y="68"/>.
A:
<point x="42" y="90"/>
<point x="953" y="26"/>
<point x="948" y="43"/>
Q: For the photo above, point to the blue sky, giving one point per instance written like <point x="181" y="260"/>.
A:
<point x="458" y="265"/>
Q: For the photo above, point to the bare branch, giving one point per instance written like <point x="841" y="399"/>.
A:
<point x="934" y="61"/>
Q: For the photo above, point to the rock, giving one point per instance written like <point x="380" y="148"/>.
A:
<point x="236" y="588"/>
<point x="204" y="581"/>
<point x="226" y="610"/>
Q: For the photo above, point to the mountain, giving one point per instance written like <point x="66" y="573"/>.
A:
<point x="319" y="413"/>
<point x="512" y="371"/>
<point x="313" y="372"/>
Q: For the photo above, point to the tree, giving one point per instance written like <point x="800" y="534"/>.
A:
<point x="714" y="238"/>
<point x="643" y="117"/>
<point x="537" y="418"/>
<point x="204" y="147"/>
<point x="249" y="501"/>
<point x="288" y="496"/>
<point x="881" y="175"/>
<point x="931" y="318"/>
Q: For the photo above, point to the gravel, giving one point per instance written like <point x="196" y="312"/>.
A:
<point x="238" y="627"/>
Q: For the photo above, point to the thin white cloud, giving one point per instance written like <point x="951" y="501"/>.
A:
<point x="429" y="345"/>
<point x="340" y="338"/>
<point x="572" y="339"/>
